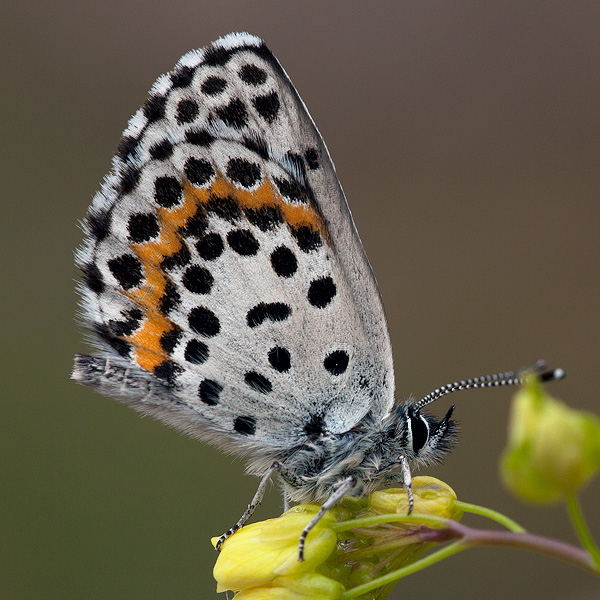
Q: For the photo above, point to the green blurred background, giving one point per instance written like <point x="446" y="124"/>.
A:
<point x="467" y="137"/>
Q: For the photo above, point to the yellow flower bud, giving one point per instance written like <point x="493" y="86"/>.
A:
<point x="260" y="552"/>
<point x="310" y="586"/>
<point x="553" y="450"/>
<point x="431" y="497"/>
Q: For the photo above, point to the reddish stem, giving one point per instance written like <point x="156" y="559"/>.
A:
<point x="525" y="541"/>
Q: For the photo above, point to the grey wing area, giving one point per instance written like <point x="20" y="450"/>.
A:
<point x="224" y="280"/>
<point x="349" y="253"/>
<point x="293" y="141"/>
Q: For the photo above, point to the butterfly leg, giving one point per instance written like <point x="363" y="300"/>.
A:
<point x="345" y="486"/>
<point x="255" y="502"/>
<point x="286" y="502"/>
<point x="407" y="477"/>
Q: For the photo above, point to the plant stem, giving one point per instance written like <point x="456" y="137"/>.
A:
<point x="574" y="509"/>
<point x="468" y="537"/>
<point x="413" y="518"/>
<point x="490" y="514"/>
<point x="525" y="541"/>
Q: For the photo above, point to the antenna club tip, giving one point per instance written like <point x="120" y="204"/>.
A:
<point x="553" y="375"/>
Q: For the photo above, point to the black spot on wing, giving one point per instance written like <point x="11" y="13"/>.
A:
<point x="291" y="190"/>
<point x="279" y="359"/>
<point x="258" y="382"/>
<point x="210" y="246"/>
<point x="245" y="425"/>
<point x="196" y="225"/>
<point x="213" y="85"/>
<point x="127" y="147"/>
<point x="307" y="239"/>
<point x="252" y="75"/>
<point x="208" y="392"/>
<point x="98" y="223"/>
<point x="243" y="171"/>
<point x="233" y="114"/>
<point x="182" y="77"/>
<point x="266" y="218"/>
<point x="336" y="362"/>
<point x="93" y="278"/>
<point x="199" y="137"/>
<point x="196" y="352"/>
<point x="167" y="371"/>
<point x="227" y="208"/>
<point x="274" y="311"/>
<point x="167" y="191"/>
<point x="203" y="321"/>
<point x="312" y="158"/>
<point x="216" y="56"/>
<point x="127" y="270"/>
<point x="130" y="322"/>
<point x="161" y="150"/>
<point x="154" y="108"/>
<point x="142" y="227"/>
<point x="321" y="291"/>
<point x="170" y="299"/>
<point x="284" y="261"/>
<point x="198" y="170"/>
<point x="267" y="106"/>
<point x="197" y="279"/>
<point x="168" y="340"/>
<point x="187" y="111"/>
<point x="243" y="242"/>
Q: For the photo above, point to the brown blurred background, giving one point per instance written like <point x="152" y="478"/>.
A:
<point x="467" y="137"/>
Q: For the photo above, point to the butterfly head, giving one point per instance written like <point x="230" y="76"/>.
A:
<point x="422" y="438"/>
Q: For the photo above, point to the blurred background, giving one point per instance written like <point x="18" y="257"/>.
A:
<point x="467" y="138"/>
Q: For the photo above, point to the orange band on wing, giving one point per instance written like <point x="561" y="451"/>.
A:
<point x="149" y="353"/>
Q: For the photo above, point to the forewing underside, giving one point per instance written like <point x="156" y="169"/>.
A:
<point x="222" y="266"/>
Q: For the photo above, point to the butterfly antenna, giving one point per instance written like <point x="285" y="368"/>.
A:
<point x="497" y="379"/>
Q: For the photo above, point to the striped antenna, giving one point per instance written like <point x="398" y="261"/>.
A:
<point x="497" y="379"/>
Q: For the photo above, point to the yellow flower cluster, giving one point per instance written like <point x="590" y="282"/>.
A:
<point x="260" y="562"/>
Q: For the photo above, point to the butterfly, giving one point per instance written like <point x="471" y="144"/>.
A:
<point x="229" y="295"/>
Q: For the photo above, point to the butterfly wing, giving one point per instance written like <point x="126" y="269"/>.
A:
<point x="223" y="275"/>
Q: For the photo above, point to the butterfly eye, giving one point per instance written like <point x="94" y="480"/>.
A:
<point x="420" y="432"/>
